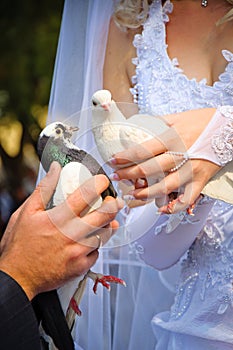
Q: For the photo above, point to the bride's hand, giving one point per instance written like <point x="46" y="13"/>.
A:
<point x="149" y="162"/>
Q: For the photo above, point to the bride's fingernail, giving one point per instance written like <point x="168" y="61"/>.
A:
<point x="131" y="192"/>
<point x="114" y="177"/>
<point x="162" y="211"/>
<point x="141" y="183"/>
<point x="112" y="161"/>
<point x="128" y="197"/>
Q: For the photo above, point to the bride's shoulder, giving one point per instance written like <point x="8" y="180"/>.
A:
<point x="120" y="35"/>
<point x="118" y="66"/>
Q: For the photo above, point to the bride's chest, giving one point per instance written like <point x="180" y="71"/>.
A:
<point x="197" y="42"/>
<point x="190" y="65"/>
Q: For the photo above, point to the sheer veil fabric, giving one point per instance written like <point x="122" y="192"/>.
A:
<point x="121" y="319"/>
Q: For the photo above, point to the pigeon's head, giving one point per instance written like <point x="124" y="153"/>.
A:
<point x="104" y="110"/>
<point x="102" y="100"/>
<point x="53" y="140"/>
<point x="58" y="131"/>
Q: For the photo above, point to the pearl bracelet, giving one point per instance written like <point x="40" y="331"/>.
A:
<point x="185" y="157"/>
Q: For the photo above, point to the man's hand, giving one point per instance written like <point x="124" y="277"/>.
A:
<point x="42" y="249"/>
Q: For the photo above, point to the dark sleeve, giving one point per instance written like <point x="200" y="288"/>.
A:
<point x="18" y="324"/>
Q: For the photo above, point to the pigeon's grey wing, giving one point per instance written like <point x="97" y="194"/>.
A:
<point x="110" y="191"/>
<point x="85" y="159"/>
<point x="95" y="168"/>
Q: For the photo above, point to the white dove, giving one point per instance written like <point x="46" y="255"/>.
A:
<point x="113" y="132"/>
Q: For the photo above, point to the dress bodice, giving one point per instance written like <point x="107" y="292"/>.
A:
<point x="160" y="86"/>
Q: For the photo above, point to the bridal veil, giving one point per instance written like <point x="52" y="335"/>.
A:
<point x="121" y="319"/>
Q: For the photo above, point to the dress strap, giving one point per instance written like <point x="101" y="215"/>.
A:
<point x="149" y="43"/>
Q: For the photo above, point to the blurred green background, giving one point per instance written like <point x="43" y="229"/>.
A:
<point x="29" y="34"/>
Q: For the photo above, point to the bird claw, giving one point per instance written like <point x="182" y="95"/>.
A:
<point x="75" y="307"/>
<point x="104" y="279"/>
<point x="169" y="208"/>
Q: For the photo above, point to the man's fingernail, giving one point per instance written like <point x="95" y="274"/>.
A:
<point x="120" y="202"/>
<point x="112" y="161"/>
<point x="54" y="167"/>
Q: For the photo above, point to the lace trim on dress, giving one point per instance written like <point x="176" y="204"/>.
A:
<point x="222" y="143"/>
<point x="144" y="47"/>
<point x="154" y="67"/>
<point x="225" y="81"/>
<point x="180" y="218"/>
<point x="209" y="263"/>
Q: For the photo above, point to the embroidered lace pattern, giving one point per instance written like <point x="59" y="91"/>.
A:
<point x="210" y="263"/>
<point x="160" y="86"/>
<point x="222" y="143"/>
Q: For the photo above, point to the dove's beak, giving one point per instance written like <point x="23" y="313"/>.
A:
<point x="106" y="106"/>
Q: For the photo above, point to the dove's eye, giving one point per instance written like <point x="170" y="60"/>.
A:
<point x="94" y="103"/>
<point x="58" y="131"/>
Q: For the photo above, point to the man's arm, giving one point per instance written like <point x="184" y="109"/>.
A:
<point x="17" y="317"/>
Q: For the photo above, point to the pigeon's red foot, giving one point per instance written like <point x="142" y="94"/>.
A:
<point x="105" y="280"/>
<point x="75" y="307"/>
<point x="97" y="278"/>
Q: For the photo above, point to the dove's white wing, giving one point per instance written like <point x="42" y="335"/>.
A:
<point x="107" y="139"/>
<point x="140" y="128"/>
<point x="155" y="124"/>
<point x="131" y="135"/>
